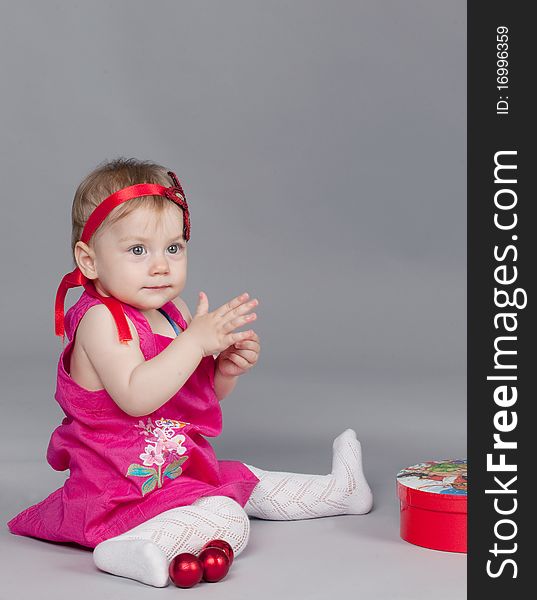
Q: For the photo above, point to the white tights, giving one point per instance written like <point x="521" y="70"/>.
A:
<point x="144" y="552"/>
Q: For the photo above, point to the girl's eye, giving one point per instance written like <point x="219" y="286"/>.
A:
<point x="139" y="250"/>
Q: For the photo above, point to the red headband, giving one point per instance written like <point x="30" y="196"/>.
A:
<point x="76" y="277"/>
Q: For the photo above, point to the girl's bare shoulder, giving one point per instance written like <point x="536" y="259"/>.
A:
<point x="98" y="325"/>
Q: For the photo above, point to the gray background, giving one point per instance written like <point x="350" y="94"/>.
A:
<point x="322" y="148"/>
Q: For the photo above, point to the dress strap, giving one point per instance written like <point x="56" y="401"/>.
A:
<point x="171" y="309"/>
<point x="170" y="321"/>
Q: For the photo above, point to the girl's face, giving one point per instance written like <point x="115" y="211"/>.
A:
<point x="141" y="259"/>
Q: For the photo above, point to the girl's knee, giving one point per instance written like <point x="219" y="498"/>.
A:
<point x="223" y="505"/>
<point x="238" y="523"/>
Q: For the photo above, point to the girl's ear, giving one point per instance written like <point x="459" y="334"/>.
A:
<point x="85" y="260"/>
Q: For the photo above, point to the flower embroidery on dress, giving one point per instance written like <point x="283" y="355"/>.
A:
<point x="164" y="446"/>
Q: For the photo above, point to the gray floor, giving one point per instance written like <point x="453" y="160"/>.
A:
<point x="398" y="421"/>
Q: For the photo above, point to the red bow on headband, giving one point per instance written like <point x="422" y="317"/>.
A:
<point x="76" y="277"/>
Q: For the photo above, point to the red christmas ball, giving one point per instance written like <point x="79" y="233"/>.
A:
<point x="215" y="564"/>
<point x="223" y="545"/>
<point x="185" y="570"/>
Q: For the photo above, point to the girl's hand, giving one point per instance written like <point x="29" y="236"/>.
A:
<point x="239" y="357"/>
<point x="213" y="331"/>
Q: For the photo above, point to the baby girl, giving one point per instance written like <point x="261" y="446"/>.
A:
<point x="140" y="382"/>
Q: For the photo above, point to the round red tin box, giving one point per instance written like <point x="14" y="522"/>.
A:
<point x="432" y="497"/>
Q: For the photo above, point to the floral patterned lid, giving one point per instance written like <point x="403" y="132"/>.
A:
<point x="436" y="477"/>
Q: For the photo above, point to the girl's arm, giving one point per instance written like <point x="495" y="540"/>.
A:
<point x="224" y="385"/>
<point x="138" y="387"/>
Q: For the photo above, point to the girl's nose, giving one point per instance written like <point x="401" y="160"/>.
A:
<point x="160" y="264"/>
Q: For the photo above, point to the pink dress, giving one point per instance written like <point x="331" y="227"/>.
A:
<point x="125" y="470"/>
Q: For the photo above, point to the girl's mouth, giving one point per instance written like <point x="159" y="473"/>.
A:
<point x="159" y="287"/>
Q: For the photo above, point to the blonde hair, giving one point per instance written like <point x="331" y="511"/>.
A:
<point x="107" y="178"/>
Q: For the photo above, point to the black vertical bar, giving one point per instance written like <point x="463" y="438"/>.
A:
<point x="500" y="128"/>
